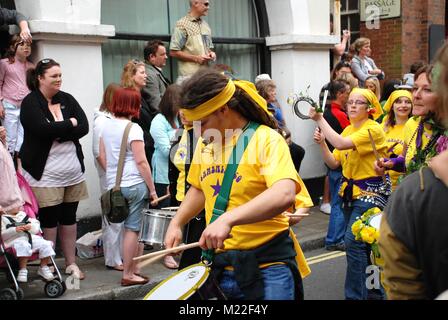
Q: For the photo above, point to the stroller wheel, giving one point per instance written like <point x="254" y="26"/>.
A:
<point x="8" y="294"/>
<point x="54" y="289"/>
<point x="20" y="294"/>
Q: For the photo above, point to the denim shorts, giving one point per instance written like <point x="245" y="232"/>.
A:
<point x="278" y="284"/>
<point x="137" y="197"/>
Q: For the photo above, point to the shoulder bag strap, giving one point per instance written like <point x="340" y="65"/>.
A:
<point x="124" y="142"/>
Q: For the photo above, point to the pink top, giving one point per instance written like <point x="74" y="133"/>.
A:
<point x="13" y="86"/>
<point x="10" y="194"/>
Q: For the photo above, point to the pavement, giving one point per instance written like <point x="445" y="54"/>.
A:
<point x="104" y="284"/>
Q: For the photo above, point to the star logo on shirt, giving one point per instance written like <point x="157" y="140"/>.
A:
<point x="182" y="155"/>
<point x="216" y="188"/>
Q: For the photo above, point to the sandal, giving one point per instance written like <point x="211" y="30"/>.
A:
<point x="74" y="271"/>
<point x="170" y="263"/>
<point x="116" y="268"/>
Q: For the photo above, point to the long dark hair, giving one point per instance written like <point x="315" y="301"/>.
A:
<point x="208" y="83"/>
<point x="32" y="75"/>
<point x="169" y="105"/>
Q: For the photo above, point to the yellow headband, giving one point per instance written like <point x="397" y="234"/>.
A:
<point x="374" y="105"/>
<point x="210" y="106"/>
<point x="394" y="96"/>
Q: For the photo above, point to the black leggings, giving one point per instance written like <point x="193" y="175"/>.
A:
<point x="61" y="214"/>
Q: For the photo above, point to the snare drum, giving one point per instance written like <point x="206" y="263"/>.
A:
<point x="154" y="226"/>
<point x="191" y="283"/>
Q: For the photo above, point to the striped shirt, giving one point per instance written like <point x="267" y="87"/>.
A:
<point x="62" y="168"/>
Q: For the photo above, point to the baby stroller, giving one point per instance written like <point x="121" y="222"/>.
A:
<point x="9" y="262"/>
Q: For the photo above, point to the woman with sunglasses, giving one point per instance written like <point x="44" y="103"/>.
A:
<point x="51" y="155"/>
<point x="362" y="188"/>
<point x="13" y="89"/>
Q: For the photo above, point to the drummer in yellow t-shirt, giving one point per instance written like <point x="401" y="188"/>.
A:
<point x="362" y="188"/>
<point x="256" y="255"/>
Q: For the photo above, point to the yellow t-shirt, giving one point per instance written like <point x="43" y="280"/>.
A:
<point x="265" y="161"/>
<point x="410" y="137"/>
<point x="179" y="159"/>
<point x="395" y="144"/>
<point x="357" y="163"/>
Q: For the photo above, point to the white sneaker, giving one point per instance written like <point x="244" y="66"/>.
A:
<point x="325" y="208"/>
<point x="45" y="273"/>
<point x="22" y="276"/>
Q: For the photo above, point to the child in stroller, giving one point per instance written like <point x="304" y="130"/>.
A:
<point x="20" y="231"/>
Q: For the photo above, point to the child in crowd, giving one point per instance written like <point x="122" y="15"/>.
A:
<point x="13" y="90"/>
<point x="17" y="229"/>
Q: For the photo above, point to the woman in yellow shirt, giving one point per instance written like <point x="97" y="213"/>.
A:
<point x="362" y="188"/>
<point x="398" y="108"/>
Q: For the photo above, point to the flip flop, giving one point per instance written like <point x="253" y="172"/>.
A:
<point x="116" y="268"/>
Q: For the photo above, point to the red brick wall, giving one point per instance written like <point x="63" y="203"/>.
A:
<point x="402" y="41"/>
<point x="386" y="46"/>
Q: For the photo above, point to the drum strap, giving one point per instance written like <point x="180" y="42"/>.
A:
<point x="223" y="197"/>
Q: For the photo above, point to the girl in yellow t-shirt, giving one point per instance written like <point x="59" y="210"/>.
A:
<point x="418" y="130"/>
<point x="362" y="188"/>
<point x="398" y="108"/>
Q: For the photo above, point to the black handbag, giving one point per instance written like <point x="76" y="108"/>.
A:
<point x="114" y="206"/>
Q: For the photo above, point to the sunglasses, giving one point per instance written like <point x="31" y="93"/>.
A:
<point x="45" y="61"/>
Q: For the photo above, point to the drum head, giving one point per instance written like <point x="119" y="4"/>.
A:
<point x="181" y="285"/>
<point x="159" y="213"/>
<point x="375" y="221"/>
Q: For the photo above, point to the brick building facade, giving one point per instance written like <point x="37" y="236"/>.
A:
<point x="402" y="41"/>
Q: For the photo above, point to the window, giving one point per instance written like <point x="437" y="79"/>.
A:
<point x="350" y="18"/>
<point x="234" y="24"/>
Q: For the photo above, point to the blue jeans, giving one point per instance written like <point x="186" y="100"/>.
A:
<point x="278" y="284"/>
<point x="357" y="254"/>
<point x="137" y="197"/>
<point x="337" y="224"/>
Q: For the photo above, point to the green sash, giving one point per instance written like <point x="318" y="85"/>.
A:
<point x="223" y="197"/>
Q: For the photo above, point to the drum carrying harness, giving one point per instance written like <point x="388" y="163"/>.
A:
<point x="223" y="197"/>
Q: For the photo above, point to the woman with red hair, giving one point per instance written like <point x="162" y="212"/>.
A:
<point x="136" y="177"/>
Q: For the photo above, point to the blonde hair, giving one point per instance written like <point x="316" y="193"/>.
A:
<point x="129" y="71"/>
<point x="350" y="79"/>
<point x="359" y="43"/>
<point x="374" y="80"/>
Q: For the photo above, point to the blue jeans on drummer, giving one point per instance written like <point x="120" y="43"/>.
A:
<point x="137" y="197"/>
<point x="357" y="254"/>
<point x="337" y="224"/>
<point x="278" y="284"/>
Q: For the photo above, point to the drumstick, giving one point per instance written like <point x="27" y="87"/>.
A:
<point x="375" y="152"/>
<point x="295" y="215"/>
<point x="324" y="102"/>
<point x="144" y="263"/>
<point x="167" y="251"/>
<point x="161" y="198"/>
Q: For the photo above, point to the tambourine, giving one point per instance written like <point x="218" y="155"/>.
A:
<point x="302" y="105"/>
